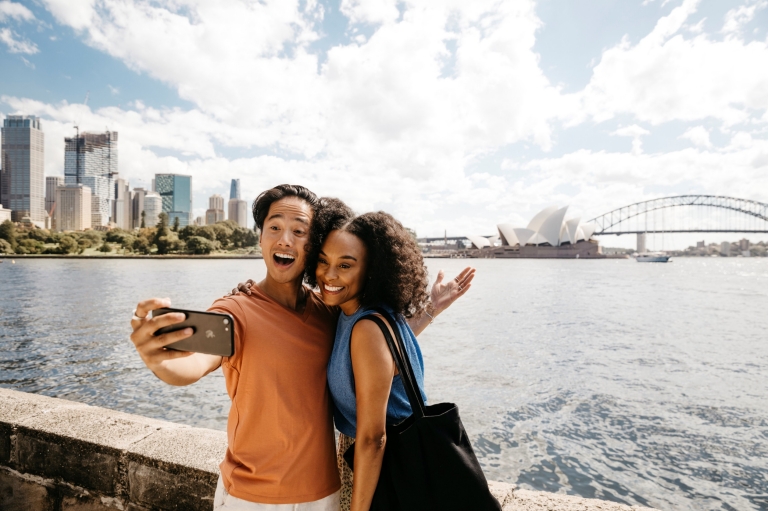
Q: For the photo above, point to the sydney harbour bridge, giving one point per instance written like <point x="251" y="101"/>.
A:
<point x="674" y="215"/>
<point x="685" y="214"/>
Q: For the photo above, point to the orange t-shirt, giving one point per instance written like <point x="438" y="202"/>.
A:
<point x="280" y="429"/>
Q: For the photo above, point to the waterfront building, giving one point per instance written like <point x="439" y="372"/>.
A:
<point x="199" y="221"/>
<point x="122" y="212"/>
<point x="137" y="200"/>
<point x="215" y="211"/>
<point x="743" y="244"/>
<point x="153" y="206"/>
<point x="548" y="234"/>
<point x="725" y="249"/>
<point x="176" y="192"/>
<point x="73" y="208"/>
<point x="701" y="244"/>
<point x="22" y="176"/>
<point x="5" y="214"/>
<point x="90" y="159"/>
<point x="51" y="183"/>
<point x="234" y="190"/>
<point x="238" y="212"/>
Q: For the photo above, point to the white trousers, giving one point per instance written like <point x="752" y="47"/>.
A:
<point x="223" y="501"/>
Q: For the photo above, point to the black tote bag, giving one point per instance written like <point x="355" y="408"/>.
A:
<point x="428" y="461"/>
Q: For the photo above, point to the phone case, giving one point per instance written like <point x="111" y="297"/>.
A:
<point x="213" y="333"/>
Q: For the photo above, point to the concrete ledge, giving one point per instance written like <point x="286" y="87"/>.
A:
<point x="58" y="455"/>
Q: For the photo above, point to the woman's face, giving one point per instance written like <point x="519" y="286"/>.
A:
<point x="341" y="270"/>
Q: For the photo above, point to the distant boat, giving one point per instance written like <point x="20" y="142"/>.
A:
<point x="652" y="257"/>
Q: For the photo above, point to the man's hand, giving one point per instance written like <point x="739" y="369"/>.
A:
<point x="444" y="294"/>
<point x="152" y="349"/>
<point x="171" y="366"/>
<point x="243" y="287"/>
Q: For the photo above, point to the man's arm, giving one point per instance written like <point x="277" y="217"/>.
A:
<point x="173" y="367"/>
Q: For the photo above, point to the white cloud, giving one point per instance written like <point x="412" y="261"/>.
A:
<point x="370" y="11"/>
<point x="14" y="10"/>
<point x="698" y="135"/>
<point x="636" y="132"/>
<point x="667" y="76"/>
<point x="736" y="18"/>
<point x="114" y="90"/>
<point x="16" y="45"/>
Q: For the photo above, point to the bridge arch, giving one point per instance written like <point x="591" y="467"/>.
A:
<point x="747" y="216"/>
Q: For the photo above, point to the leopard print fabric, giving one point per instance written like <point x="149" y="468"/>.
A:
<point x="345" y="495"/>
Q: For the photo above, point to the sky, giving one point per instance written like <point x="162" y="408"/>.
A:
<point x="451" y="115"/>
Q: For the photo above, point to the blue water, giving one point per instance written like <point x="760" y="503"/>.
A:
<point x="639" y="383"/>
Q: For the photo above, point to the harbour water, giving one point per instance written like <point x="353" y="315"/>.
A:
<point x="639" y="383"/>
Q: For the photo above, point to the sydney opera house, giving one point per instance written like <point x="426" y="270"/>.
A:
<point x="548" y="235"/>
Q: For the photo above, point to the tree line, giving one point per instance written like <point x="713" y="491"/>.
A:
<point x="161" y="239"/>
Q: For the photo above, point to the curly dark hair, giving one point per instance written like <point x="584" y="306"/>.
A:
<point x="265" y="199"/>
<point x="331" y="214"/>
<point x="396" y="275"/>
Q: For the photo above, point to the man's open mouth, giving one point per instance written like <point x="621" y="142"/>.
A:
<point x="283" y="259"/>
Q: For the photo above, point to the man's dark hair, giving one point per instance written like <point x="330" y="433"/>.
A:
<point x="265" y="199"/>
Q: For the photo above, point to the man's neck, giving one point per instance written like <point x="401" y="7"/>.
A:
<point x="288" y="294"/>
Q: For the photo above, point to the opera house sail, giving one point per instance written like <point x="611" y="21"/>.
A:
<point x="549" y="234"/>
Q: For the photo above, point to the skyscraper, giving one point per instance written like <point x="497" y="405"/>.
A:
<point x="176" y="191"/>
<point x="51" y="183"/>
<point x="215" y="211"/>
<point x="73" y="208"/>
<point x="90" y="159"/>
<point x="153" y="206"/>
<point x="121" y="210"/>
<point x="234" y="190"/>
<point x="22" y="178"/>
<point x="238" y="212"/>
<point x="137" y="197"/>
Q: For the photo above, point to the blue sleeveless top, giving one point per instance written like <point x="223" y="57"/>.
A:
<point x="341" y="379"/>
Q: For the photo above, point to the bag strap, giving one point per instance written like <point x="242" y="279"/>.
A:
<point x="414" y="396"/>
<point x="401" y="344"/>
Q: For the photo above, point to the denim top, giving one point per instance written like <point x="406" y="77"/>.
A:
<point x="341" y="379"/>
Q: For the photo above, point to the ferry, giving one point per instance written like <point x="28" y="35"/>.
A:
<point x="652" y="257"/>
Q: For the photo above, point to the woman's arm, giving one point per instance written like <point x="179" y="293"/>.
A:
<point x="374" y="369"/>
<point x="442" y="296"/>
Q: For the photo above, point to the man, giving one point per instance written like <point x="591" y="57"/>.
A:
<point x="281" y="452"/>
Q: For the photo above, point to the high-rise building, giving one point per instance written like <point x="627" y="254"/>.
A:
<point x="176" y="191"/>
<point x="90" y="159"/>
<point x="137" y="198"/>
<point x="51" y="183"/>
<point x="215" y="211"/>
<point x="123" y="206"/>
<point x="238" y="212"/>
<point x="234" y="190"/>
<point x="153" y="206"/>
<point x="22" y="177"/>
<point x="725" y="249"/>
<point x="73" y="208"/>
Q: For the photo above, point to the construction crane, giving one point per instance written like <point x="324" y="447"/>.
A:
<point x="77" y="140"/>
<point x="85" y="103"/>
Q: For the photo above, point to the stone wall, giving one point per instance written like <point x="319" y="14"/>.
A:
<point x="61" y="455"/>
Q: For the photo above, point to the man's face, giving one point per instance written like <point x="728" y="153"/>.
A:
<point x="284" y="238"/>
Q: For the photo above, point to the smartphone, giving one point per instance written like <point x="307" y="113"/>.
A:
<point x="212" y="333"/>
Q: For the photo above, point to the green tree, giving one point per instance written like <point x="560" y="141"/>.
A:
<point x="8" y="233"/>
<point x="105" y="248"/>
<point x="176" y="224"/>
<point x="200" y="245"/>
<point x="142" y="246"/>
<point x="5" y="247"/>
<point x="68" y="245"/>
<point x="143" y="223"/>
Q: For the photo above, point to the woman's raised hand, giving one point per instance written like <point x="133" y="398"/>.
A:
<point x="443" y="294"/>
<point x="243" y="287"/>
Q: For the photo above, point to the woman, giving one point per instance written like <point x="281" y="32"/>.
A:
<point x="365" y="262"/>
